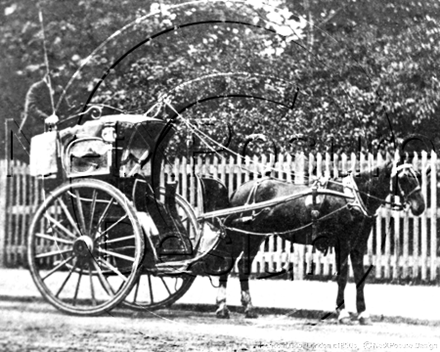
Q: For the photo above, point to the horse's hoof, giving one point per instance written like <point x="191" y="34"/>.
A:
<point x="365" y="321"/>
<point x="250" y="314"/>
<point x="343" y="317"/>
<point x="344" y="321"/>
<point x="222" y="314"/>
<point x="364" y="318"/>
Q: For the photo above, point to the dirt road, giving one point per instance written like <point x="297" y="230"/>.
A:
<point x="29" y="325"/>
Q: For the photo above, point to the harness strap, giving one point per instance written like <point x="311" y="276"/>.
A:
<point x="251" y="200"/>
<point x="315" y="210"/>
<point x="236" y="229"/>
<point x="253" y="192"/>
<point x="351" y="188"/>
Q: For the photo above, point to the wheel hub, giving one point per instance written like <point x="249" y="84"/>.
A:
<point x="83" y="246"/>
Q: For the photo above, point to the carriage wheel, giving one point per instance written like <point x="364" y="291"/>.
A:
<point x="85" y="247"/>
<point x="154" y="292"/>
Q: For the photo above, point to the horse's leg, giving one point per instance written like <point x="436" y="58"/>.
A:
<point x="229" y="249"/>
<point x="222" y="311"/>
<point x="341" y="252"/>
<point x="251" y="246"/>
<point x="357" y="261"/>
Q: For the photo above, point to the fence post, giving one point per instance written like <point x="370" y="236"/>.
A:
<point x="299" y="249"/>
<point x="416" y="232"/>
<point x="424" y="220"/>
<point x="433" y="254"/>
<point x="3" y="181"/>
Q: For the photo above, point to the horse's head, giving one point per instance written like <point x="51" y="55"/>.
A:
<point x="405" y="184"/>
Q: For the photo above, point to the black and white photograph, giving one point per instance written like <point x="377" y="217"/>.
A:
<point x="219" y="175"/>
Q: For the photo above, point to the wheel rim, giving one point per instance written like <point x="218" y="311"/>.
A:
<point x="153" y="291"/>
<point x="85" y="247"/>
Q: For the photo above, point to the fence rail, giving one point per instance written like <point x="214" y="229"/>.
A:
<point x="400" y="247"/>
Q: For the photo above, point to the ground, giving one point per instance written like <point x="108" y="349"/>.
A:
<point x="29" y="324"/>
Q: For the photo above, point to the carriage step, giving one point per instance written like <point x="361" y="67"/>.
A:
<point x="171" y="264"/>
<point x="172" y="267"/>
<point x="175" y="273"/>
<point x="172" y="271"/>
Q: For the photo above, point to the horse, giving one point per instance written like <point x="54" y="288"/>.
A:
<point x="341" y="220"/>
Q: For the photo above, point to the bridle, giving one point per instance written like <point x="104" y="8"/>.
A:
<point x="397" y="172"/>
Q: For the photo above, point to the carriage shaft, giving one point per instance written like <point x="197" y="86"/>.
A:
<point x="267" y="203"/>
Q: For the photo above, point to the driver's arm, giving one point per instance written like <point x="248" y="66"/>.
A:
<point x="34" y="100"/>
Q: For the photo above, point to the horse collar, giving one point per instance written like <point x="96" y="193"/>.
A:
<point x="351" y="189"/>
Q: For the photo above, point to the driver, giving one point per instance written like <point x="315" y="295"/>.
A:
<point x="38" y="107"/>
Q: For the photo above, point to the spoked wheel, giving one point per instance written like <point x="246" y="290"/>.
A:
<point x="153" y="291"/>
<point x="85" y="247"/>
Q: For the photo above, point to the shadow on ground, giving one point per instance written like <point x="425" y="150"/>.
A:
<point x="188" y="310"/>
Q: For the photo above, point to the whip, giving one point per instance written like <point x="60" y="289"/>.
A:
<point x="46" y="60"/>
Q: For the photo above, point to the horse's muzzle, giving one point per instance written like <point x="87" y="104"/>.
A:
<point x="416" y="207"/>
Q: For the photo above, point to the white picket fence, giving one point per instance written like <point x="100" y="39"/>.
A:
<point x="412" y="255"/>
<point x="401" y="246"/>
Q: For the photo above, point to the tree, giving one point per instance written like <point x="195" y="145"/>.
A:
<point x="260" y="69"/>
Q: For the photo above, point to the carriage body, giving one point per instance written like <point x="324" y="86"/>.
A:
<point x="111" y="218"/>
<point x="119" y="146"/>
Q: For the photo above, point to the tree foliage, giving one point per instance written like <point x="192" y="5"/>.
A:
<point x="305" y="74"/>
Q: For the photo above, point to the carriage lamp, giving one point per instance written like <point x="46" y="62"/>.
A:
<point x="108" y="134"/>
